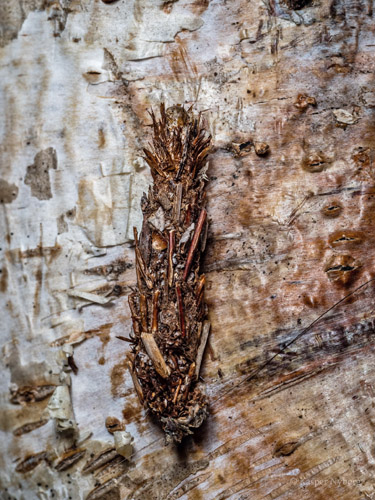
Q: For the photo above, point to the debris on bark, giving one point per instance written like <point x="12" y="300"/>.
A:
<point x="261" y="148"/>
<point x="168" y="310"/>
<point x="304" y="101"/>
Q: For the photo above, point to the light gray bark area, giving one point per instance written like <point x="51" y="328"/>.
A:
<point x="291" y="234"/>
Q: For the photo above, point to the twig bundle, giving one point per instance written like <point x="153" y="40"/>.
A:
<point x="168" y="309"/>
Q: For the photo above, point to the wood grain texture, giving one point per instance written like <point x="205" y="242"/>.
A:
<point x="291" y="234"/>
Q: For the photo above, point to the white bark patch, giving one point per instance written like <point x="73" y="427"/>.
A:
<point x="345" y="117"/>
<point x="123" y="443"/>
<point x="90" y="297"/>
<point x="103" y="209"/>
<point x="60" y="408"/>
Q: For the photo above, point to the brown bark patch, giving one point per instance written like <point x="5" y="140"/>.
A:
<point x="29" y="427"/>
<point x="107" y="491"/>
<point x="30" y="462"/>
<point x="101" y="138"/>
<point x="37" y="176"/>
<point x="131" y="412"/>
<point x="113" y="424"/>
<point x="8" y="192"/>
<point x="29" y="394"/>
<point x="3" y="279"/>
<point x="69" y="458"/>
<point x="117" y="379"/>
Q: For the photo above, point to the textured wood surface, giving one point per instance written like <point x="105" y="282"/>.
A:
<point x="291" y="234"/>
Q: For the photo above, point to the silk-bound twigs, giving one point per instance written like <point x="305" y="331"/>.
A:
<point x="168" y="310"/>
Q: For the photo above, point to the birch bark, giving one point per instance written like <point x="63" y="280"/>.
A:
<point x="288" y="92"/>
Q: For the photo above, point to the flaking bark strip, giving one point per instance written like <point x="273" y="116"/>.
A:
<point x="168" y="309"/>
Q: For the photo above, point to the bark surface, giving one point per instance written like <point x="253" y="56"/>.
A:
<point x="287" y="89"/>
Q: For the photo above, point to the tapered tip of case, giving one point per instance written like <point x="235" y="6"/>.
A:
<point x="177" y="428"/>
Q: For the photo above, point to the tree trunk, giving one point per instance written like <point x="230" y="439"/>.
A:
<point x="287" y="91"/>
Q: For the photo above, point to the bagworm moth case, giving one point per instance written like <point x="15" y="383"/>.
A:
<point x="168" y="311"/>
